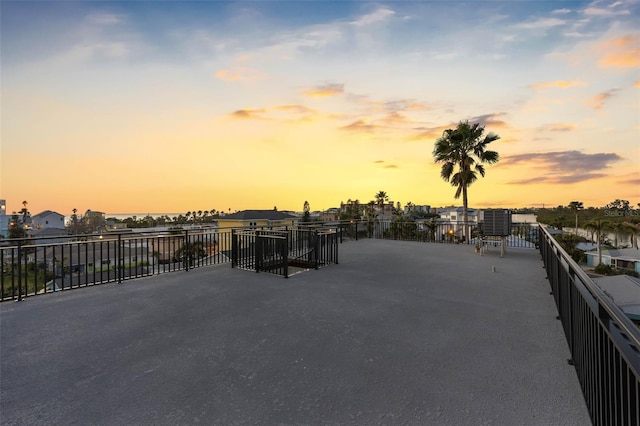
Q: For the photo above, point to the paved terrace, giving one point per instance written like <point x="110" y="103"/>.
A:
<point x="397" y="333"/>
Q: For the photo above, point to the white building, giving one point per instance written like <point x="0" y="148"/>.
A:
<point x="455" y="215"/>
<point x="46" y="220"/>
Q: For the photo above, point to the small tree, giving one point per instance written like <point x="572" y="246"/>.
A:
<point x="306" y="216"/>
<point x="16" y="227"/>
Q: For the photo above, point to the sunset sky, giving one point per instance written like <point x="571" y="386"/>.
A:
<point x="178" y="106"/>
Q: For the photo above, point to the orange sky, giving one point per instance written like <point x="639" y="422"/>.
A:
<point x="234" y="107"/>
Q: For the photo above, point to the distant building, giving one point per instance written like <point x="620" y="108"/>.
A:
<point x="330" y="214"/>
<point x="628" y="258"/>
<point x="425" y="209"/>
<point x="257" y="219"/>
<point x="47" y="219"/>
<point x="4" y="219"/>
<point x="455" y="215"/>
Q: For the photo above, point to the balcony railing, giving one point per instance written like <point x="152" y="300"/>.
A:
<point x="44" y="265"/>
<point x="275" y="250"/>
<point x="604" y="342"/>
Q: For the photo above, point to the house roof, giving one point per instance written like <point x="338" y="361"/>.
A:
<point x="624" y="291"/>
<point x="624" y="254"/>
<point x="586" y="246"/>
<point x="45" y="213"/>
<point x="50" y="232"/>
<point x="258" y="215"/>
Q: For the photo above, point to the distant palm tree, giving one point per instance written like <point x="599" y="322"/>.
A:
<point x="635" y="230"/>
<point x="25" y="213"/>
<point x="598" y="226"/>
<point x="381" y="198"/>
<point x="576" y="206"/>
<point x="462" y="152"/>
<point x="622" y="229"/>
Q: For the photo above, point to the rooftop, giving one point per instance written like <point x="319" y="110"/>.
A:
<point x="397" y="333"/>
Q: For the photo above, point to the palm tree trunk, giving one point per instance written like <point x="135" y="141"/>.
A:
<point x="464" y="213"/>
<point x="599" y="247"/>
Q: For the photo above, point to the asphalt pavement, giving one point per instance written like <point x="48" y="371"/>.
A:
<point x="398" y="333"/>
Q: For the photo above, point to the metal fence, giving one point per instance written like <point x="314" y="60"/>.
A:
<point x="275" y="251"/>
<point x="604" y="342"/>
<point x="522" y="235"/>
<point x="45" y="265"/>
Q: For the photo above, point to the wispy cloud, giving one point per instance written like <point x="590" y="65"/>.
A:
<point x="430" y="133"/>
<point x="560" y="127"/>
<point x="361" y="126"/>
<point x="104" y="18"/>
<point x="237" y="74"/>
<point x="383" y="164"/>
<point x="632" y="181"/>
<point x="543" y="23"/>
<point x="562" y="166"/>
<point x="560" y="11"/>
<point x="379" y="15"/>
<point x="623" y="52"/>
<point x="325" y="91"/>
<point x="247" y="114"/>
<point x="562" y="84"/>
<point x="288" y="113"/>
<point x="599" y="11"/>
<point x="490" y="120"/>
<point x="598" y="101"/>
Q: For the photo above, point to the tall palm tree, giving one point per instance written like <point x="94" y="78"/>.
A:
<point x="598" y="226"/>
<point x="576" y="206"/>
<point x="462" y="152"/>
<point x="381" y="198"/>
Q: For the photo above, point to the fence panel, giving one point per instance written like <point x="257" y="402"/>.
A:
<point x="604" y="343"/>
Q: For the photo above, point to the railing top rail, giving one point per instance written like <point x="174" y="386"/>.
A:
<point x="614" y="311"/>
<point x="272" y="237"/>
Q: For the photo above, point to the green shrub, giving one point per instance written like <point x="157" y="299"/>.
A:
<point x="603" y="269"/>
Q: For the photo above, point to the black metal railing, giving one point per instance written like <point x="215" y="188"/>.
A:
<point x="521" y="236"/>
<point x="45" y="265"/>
<point x="604" y="343"/>
<point x="275" y="250"/>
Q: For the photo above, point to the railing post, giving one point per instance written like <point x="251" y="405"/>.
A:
<point x="234" y="248"/>
<point x="285" y="255"/>
<point x="20" y="271"/>
<point x="119" y="265"/>
<point x="316" y="249"/>
<point x="186" y="251"/>
<point x="257" y="253"/>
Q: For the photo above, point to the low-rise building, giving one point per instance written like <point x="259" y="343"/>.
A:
<point x="257" y="219"/>
<point x="47" y="219"/>
<point x="628" y="258"/>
